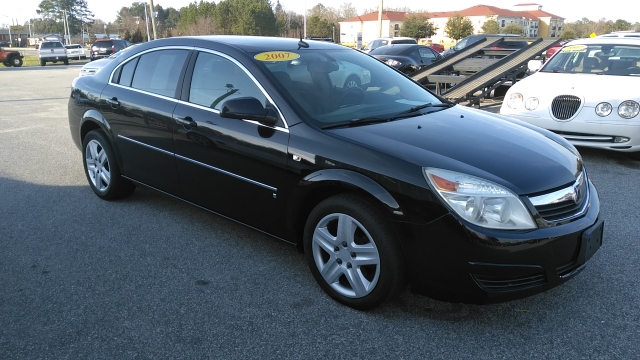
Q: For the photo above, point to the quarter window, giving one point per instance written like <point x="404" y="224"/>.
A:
<point x="158" y="72"/>
<point x="216" y="79"/>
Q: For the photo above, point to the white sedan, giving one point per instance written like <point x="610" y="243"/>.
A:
<point x="587" y="92"/>
<point x="75" y="51"/>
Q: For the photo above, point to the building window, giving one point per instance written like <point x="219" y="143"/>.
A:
<point x="502" y="23"/>
<point x="396" y="27"/>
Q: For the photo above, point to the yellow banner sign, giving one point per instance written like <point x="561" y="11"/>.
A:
<point x="276" y="56"/>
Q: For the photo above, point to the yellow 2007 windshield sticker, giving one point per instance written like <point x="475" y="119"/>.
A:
<point x="574" y="48"/>
<point x="276" y="56"/>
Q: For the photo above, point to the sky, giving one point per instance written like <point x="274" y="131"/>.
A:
<point x="107" y="10"/>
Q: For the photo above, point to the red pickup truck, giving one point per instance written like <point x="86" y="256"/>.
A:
<point x="10" y="57"/>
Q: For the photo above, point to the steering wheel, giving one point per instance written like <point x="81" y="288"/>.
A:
<point x="351" y="96"/>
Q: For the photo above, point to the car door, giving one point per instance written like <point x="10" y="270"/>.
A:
<point x="138" y="105"/>
<point x="234" y="167"/>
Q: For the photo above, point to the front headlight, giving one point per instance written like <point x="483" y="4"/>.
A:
<point x="603" y="109"/>
<point x="628" y="109"/>
<point x="531" y="103"/>
<point x="480" y="201"/>
<point x="515" y="100"/>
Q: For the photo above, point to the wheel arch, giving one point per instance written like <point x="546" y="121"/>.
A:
<point x="91" y="120"/>
<point x="322" y="184"/>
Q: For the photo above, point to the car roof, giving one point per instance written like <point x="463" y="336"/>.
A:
<point x="607" y="41"/>
<point x="260" y="43"/>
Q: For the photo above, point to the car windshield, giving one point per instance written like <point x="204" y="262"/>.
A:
<point x="334" y="86"/>
<point x="621" y="60"/>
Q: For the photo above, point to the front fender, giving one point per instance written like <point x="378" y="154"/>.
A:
<point x="357" y="180"/>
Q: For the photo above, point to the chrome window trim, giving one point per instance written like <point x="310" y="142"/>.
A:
<point x="214" y="52"/>
<point x="201" y="164"/>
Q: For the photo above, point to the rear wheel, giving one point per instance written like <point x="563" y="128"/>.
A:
<point x="16" y="61"/>
<point x="66" y="61"/>
<point x="101" y="168"/>
<point x="352" y="252"/>
<point x="42" y="62"/>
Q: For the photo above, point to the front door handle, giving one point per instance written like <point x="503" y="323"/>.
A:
<point x="113" y="102"/>
<point x="186" y="121"/>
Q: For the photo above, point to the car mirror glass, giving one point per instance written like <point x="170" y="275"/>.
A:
<point x="248" y="108"/>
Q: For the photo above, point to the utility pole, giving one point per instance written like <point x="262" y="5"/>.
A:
<point x="68" y="30"/>
<point x="305" y="19"/>
<point x="380" y="19"/>
<point x="147" y="23"/>
<point x="153" y="20"/>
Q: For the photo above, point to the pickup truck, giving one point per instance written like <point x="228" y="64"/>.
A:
<point x="10" y="57"/>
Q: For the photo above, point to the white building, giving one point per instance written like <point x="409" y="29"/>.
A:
<point x="368" y="25"/>
<point x="535" y="22"/>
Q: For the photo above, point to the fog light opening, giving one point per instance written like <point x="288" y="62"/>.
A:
<point x="620" y="139"/>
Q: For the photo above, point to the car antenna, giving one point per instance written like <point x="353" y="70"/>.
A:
<point x="302" y="43"/>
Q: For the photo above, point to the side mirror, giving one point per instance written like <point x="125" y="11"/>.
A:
<point x="534" y="65"/>
<point x="248" y="108"/>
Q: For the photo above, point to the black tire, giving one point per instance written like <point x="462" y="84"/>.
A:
<point x="7" y="64"/>
<point x="106" y="162"/>
<point x="386" y="278"/>
<point x="43" y="63"/>
<point x="16" y="61"/>
<point x="352" y="81"/>
<point x="66" y="61"/>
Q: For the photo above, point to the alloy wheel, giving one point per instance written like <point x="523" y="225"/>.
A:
<point x="98" y="167"/>
<point x="346" y="255"/>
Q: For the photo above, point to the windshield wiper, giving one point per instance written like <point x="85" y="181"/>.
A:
<point x="423" y="106"/>
<point x="412" y="112"/>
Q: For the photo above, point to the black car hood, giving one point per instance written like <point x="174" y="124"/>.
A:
<point x="475" y="142"/>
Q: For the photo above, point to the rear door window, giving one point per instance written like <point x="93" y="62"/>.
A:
<point x="159" y="71"/>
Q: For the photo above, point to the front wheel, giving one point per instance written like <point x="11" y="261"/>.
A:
<point x="7" y="64"/>
<point x="101" y="168"/>
<point x="66" y="61"/>
<point x="352" y="252"/>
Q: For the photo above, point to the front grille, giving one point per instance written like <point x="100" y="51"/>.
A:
<point x="561" y="210"/>
<point x="509" y="284"/>
<point x="563" y="107"/>
<point x="565" y="203"/>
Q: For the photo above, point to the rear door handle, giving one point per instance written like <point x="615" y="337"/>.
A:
<point x="186" y="121"/>
<point x="113" y="102"/>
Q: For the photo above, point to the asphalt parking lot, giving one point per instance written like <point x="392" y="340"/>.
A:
<point x="153" y="277"/>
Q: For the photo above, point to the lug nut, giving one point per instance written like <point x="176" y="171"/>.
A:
<point x="344" y="243"/>
<point x="348" y="265"/>
<point x="336" y="249"/>
<point x="353" y="255"/>
<point x="339" y="261"/>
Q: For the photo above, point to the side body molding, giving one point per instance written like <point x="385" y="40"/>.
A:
<point x="352" y="178"/>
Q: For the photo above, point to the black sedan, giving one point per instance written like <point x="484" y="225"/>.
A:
<point x="380" y="185"/>
<point x="406" y="57"/>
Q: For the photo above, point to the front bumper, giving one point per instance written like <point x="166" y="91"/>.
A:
<point x="451" y="261"/>
<point x="586" y="129"/>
